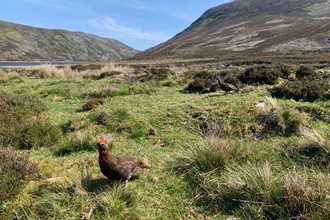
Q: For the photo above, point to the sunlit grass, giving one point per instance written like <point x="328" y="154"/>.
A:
<point x="211" y="156"/>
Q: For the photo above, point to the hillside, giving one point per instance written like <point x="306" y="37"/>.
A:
<point x="25" y="43"/>
<point x="252" y="27"/>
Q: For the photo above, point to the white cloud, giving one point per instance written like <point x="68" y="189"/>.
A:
<point x="117" y="30"/>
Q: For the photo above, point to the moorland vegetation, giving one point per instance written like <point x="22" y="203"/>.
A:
<point x="259" y="153"/>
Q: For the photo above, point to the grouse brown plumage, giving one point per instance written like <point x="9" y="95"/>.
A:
<point x="117" y="167"/>
<point x="227" y="87"/>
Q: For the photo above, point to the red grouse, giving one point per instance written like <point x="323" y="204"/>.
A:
<point x="227" y="87"/>
<point x="118" y="167"/>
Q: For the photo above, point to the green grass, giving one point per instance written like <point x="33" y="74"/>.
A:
<point x="217" y="158"/>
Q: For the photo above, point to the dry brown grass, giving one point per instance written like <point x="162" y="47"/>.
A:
<point x="51" y="71"/>
<point x="66" y="72"/>
<point x="124" y="69"/>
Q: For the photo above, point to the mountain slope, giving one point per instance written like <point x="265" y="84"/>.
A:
<point x="20" y="42"/>
<point x="250" y="27"/>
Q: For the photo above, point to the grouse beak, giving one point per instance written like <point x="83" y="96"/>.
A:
<point x="100" y="144"/>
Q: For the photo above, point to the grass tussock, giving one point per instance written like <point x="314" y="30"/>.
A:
<point x="91" y="104"/>
<point x="211" y="158"/>
<point x="311" y="150"/>
<point x="261" y="192"/>
<point x="280" y="120"/>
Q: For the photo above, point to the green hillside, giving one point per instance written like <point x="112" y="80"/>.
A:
<point x="25" y="43"/>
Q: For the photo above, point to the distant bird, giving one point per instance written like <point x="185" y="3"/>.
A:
<point x="227" y="87"/>
<point x="118" y="167"/>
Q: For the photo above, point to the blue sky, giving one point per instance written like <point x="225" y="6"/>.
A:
<point x="140" y="24"/>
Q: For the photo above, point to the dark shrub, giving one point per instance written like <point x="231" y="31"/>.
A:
<point x="84" y="67"/>
<point x="201" y="83"/>
<point x="302" y="90"/>
<point x="259" y="75"/>
<point x="21" y="105"/>
<point x="205" y="82"/>
<point x="156" y="74"/>
<point x="306" y="73"/>
<point x="288" y="72"/>
<point x="15" y="171"/>
<point x="227" y="77"/>
<point x="251" y="62"/>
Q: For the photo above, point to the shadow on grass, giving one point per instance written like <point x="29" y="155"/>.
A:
<point x="97" y="185"/>
<point x="101" y="184"/>
<point x="215" y="95"/>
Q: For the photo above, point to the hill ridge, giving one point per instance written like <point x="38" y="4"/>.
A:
<point x="26" y="43"/>
<point x="249" y="27"/>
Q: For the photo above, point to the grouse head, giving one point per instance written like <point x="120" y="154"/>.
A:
<point x="102" y="145"/>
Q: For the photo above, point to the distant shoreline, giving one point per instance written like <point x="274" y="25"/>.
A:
<point x="33" y="63"/>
